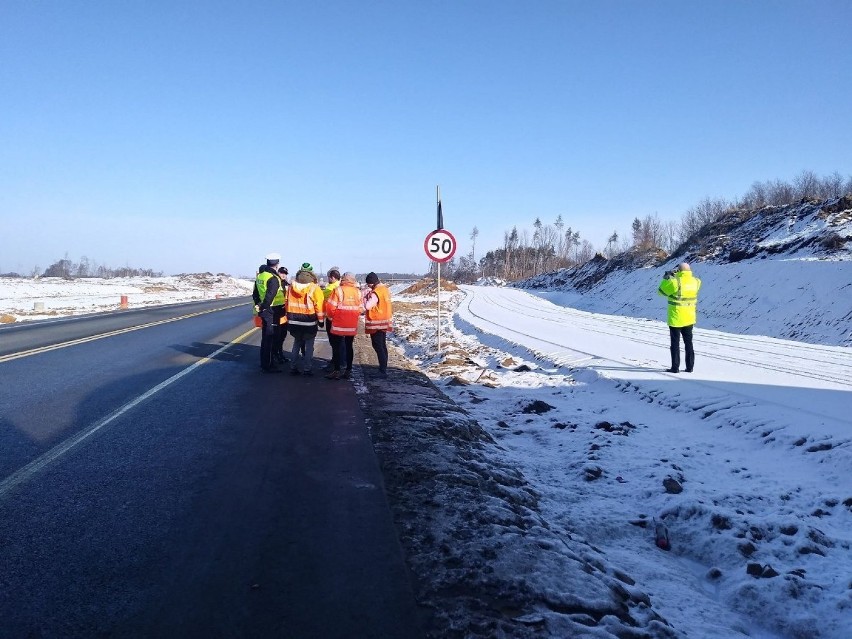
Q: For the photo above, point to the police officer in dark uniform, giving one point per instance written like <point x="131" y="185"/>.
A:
<point x="268" y="297"/>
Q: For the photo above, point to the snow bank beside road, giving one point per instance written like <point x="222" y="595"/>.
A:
<point x="806" y="300"/>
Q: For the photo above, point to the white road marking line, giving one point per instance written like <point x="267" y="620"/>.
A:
<point x="27" y="472"/>
<point x="92" y="338"/>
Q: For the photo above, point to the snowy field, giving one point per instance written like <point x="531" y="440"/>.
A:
<point x="744" y="464"/>
<point x="746" y="461"/>
<point x="25" y="299"/>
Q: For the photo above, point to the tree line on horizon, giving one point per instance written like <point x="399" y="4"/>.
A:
<point x="550" y="247"/>
<point x="66" y="269"/>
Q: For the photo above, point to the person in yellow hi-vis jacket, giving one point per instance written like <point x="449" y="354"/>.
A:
<point x="680" y="287"/>
<point x="268" y="298"/>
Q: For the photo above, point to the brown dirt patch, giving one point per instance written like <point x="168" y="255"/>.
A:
<point x="428" y="286"/>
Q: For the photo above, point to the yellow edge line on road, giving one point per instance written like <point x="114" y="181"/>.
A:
<point x="92" y="338"/>
<point x="23" y="474"/>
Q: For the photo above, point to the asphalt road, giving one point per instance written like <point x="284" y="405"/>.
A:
<point x="153" y="483"/>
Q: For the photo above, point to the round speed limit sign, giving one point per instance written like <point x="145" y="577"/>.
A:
<point x="440" y="245"/>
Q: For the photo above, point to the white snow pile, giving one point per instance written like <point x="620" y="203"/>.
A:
<point x="23" y="299"/>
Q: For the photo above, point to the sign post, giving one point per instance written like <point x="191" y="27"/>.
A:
<point x="440" y="246"/>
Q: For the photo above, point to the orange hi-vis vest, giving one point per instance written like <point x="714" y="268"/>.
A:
<point x="380" y="317"/>
<point x="304" y="305"/>
<point x="343" y="308"/>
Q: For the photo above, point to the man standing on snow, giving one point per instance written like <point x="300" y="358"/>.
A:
<point x="379" y="318"/>
<point x="680" y="287"/>
<point x="268" y="298"/>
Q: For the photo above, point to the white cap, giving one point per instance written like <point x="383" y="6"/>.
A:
<point x="273" y="257"/>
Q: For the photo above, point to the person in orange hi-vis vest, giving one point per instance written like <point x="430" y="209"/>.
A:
<point x="379" y="318"/>
<point x="305" y="313"/>
<point x="342" y="309"/>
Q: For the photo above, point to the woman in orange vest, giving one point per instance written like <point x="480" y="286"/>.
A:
<point x="379" y="319"/>
<point x="342" y="309"/>
<point x="305" y="314"/>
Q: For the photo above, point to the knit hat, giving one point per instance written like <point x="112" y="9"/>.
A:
<point x="372" y="278"/>
<point x="307" y="266"/>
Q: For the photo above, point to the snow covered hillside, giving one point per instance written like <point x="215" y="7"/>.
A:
<point x="782" y="272"/>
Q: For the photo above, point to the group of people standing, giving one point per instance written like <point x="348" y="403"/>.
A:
<point x="301" y="307"/>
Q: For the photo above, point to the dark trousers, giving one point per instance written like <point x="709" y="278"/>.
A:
<point x="280" y="333"/>
<point x="347" y="352"/>
<point x="380" y="345"/>
<point x="334" y="341"/>
<point x="267" y="338"/>
<point x="675" y="333"/>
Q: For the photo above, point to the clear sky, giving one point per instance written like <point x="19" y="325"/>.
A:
<point x="199" y="136"/>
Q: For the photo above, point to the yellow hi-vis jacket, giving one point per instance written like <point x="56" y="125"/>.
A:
<point x="329" y="289"/>
<point x="682" y="293"/>
<point x="262" y="282"/>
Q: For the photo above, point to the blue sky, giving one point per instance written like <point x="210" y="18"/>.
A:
<point x="199" y="136"/>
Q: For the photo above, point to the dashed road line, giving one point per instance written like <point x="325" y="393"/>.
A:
<point x="92" y="338"/>
<point x="27" y="472"/>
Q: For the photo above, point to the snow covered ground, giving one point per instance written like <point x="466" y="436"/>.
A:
<point x="799" y="298"/>
<point x="24" y="299"/>
<point x="746" y="462"/>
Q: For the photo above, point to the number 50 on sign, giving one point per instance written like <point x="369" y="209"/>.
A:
<point x="440" y="245"/>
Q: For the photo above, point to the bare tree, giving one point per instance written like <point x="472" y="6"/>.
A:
<point x="473" y="235"/>
<point x="82" y="269"/>
<point x="670" y="236"/>
<point x="779" y="193"/>
<point x="806" y="185"/>
<point x="756" y="196"/>
<point x="832" y="185"/>
<point x="585" y="251"/>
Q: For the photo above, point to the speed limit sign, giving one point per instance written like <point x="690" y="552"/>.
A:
<point x="440" y="245"/>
